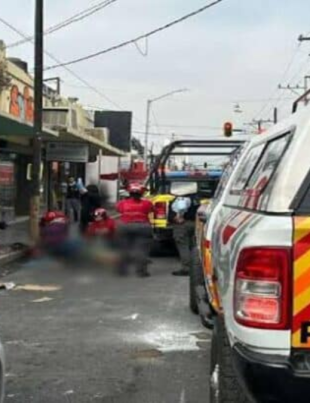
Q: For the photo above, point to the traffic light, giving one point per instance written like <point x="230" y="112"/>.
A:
<point x="228" y="129"/>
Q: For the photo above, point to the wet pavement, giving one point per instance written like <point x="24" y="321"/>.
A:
<point x="90" y="337"/>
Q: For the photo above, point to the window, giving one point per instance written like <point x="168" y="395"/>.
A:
<point x="207" y="189"/>
<point x="246" y="169"/>
<point x="268" y="164"/>
<point x="227" y="173"/>
<point x="256" y="172"/>
<point x="183" y="188"/>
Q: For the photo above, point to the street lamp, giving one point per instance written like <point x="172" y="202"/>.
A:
<point x="148" y="114"/>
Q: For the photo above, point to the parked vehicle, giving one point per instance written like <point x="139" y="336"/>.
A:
<point x="2" y="374"/>
<point x="164" y="185"/>
<point x="202" y="296"/>
<point x="260" y="248"/>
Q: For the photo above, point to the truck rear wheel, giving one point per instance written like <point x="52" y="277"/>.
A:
<point x="223" y="383"/>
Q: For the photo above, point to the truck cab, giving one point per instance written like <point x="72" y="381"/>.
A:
<point x="260" y="254"/>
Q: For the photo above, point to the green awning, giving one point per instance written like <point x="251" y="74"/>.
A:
<point x="11" y="126"/>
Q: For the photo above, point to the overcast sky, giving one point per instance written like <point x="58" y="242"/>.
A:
<point x="238" y="51"/>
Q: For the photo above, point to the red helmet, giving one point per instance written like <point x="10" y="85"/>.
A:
<point x="50" y="216"/>
<point x="100" y="214"/>
<point x="136" y="188"/>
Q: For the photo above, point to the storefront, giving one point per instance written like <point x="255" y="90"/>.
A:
<point x="15" y="162"/>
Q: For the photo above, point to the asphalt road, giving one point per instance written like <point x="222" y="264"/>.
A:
<point x="102" y="339"/>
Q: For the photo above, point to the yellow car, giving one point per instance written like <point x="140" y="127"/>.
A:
<point x="179" y="183"/>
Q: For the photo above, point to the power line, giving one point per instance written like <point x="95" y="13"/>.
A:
<point x="70" y="71"/>
<point x="75" y="18"/>
<point x="192" y="127"/>
<point x="177" y="134"/>
<point x="282" y="77"/>
<point x="134" y="40"/>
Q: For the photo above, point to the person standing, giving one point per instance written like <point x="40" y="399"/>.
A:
<point x="182" y="216"/>
<point x="90" y="201"/>
<point x="73" y="199"/>
<point x="134" y="230"/>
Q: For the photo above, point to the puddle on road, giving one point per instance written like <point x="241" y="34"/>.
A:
<point x="166" y="340"/>
<point x="147" y="354"/>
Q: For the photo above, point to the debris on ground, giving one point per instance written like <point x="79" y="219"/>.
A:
<point x="69" y="392"/>
<point x="38" y="287"/>
<point x="44" y="299"/>
<point x="7" y="286"/>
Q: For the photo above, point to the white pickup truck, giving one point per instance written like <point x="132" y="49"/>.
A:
<point x="260" y="254"/>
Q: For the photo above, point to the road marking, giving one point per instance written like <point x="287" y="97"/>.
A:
<point x="182" y="397"/>
<point x="44" y="299"/>
<point x="132" y="317"/>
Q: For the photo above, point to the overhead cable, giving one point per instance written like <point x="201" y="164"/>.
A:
<point x="75" y="18"/>
<point x="134" y="40"/>
<point x="70" y="71"/>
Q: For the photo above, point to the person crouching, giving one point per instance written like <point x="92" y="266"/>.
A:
<point x="101" y="226"/>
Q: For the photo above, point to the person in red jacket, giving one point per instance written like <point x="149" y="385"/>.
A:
<point x="134" y="230"/>
<point x="101" y="226"/>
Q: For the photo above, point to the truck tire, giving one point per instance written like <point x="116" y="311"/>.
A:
<point x="223" y="383"/>
<point x="195" y="279"/>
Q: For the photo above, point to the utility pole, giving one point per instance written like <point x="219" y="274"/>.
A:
<point x="275" y="115"/>
<point x="259" y="123"/>
<point x="302" y="38"/>
<point x="37" y="141"/>
<point x="147" y="129"/>
<point x="148" y="113"/>
<point x="297" y="87"/>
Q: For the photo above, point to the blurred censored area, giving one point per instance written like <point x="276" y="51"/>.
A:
<point x="112" y="247"/>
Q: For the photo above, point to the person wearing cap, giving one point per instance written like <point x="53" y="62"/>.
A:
<point x="134" y="229"/>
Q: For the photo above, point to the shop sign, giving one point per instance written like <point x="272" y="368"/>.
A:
<point x="6" y="173"/>
<point x="7" y="186"/>
<point x="21" y="102"/>
<point x="67" y="152"/>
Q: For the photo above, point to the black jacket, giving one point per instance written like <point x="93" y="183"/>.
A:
<point x="73" y="192"/>
<point x="89" y="203"/>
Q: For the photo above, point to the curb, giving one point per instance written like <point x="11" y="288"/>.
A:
<point x="13" y="256"/>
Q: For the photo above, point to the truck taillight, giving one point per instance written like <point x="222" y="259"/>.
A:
<point x="262" y="294"/>
<point x="160" y="210"/>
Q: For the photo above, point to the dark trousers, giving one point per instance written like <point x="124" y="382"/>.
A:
<point x="135" y="241"/>
<point x="184" y="237"/>
<point x="73" y="205"/>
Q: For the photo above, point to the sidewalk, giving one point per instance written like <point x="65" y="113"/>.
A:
<point x="14" y="241"/>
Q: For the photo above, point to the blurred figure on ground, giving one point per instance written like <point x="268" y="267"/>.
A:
<point x="74" y="252"/>
<point x="102" y="225"/>
<point x="182" y="216"/>
<point x="134" y="230"/>
<point x="73" y="199"/>
<point x="90" y="201"/>
<point x="54" y="232"/>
